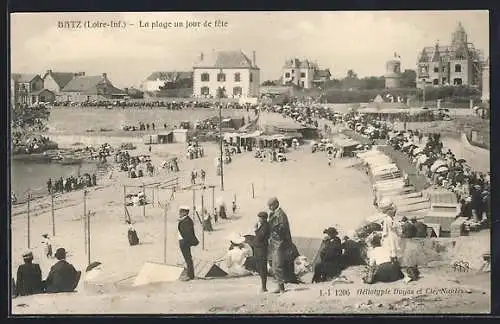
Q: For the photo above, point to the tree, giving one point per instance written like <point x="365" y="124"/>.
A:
<point x="371" y="83"/>
<point x="409" y="79"/>
<point x="351" y="74"/>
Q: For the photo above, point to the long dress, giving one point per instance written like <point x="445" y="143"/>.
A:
<point x="391" y="239"/>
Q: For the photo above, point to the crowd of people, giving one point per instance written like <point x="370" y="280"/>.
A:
<point x="441" y="167"/>
<point x="71" y="183"/>
<point x="136" y="166"/>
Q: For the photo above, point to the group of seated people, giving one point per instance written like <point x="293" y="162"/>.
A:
<point x="62" y="277"/>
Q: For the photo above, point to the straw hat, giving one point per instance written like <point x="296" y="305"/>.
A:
<point x="184" y="207"/>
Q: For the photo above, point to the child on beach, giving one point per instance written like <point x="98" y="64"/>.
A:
<point x="47" y="245"/>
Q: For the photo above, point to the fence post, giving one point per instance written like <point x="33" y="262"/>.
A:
<point x="165" y="232"/>
<point x="88" y="237"/>
<point x="52" y="210"/>
<point x="29" y="221"/>
<point x="253" y="191"/>
<point x="85" y="219"/>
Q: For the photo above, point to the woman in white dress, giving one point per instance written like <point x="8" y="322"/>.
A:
<point x="389" y="232"/>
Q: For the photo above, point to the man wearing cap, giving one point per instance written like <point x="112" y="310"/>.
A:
<point x="187" y="239"/>
<point x="261" y="247"/>
<point x="280" y="244"/>
<point x="63" y="276"/>
<point x="29" y="276"/>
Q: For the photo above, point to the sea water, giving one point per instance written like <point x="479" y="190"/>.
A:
<point x="32" y="176"/>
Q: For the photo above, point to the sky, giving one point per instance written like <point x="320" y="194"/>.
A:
<point x="358" y="40"/>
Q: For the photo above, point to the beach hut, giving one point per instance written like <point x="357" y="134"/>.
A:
<point x="165" y="138"/>
<point x="151" y="139"/>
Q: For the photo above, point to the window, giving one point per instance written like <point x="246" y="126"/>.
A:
<point x="287" y="75"/>
<point x="205" y="91"/>
<point x="435" y="82"/>
<point x="457" y="81"/>
<point x="237" y="77"/>
<point x="221" y="77"/>
<point x="436" y="69"/>
<point x="205" y="77"/>
<point x="237" y="91"/>
<point x="251" y="76"/>
<point x="302" y="74"/>
<point x="458" y="68"/>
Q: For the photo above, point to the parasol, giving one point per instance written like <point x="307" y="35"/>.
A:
<point x="441" y="169"/>
<point x="437" y="164"/>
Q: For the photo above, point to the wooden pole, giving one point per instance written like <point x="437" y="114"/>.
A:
<point x="253" y="191"/>
<point x="52" y="210"/>
<point x="165" y="233"/>
<point x="88" y="237"/>
<point x="202" y="224"/>
<point x="221" y="151"/>
<point x="194" y="201"/>
<point x="125" y="202"/>
<point x="85" y="218"/>
<point x="29" y="221"/>
<point x="213" y="197"/>
<point x="144" y="206"/>
<point x="153" y="196"/>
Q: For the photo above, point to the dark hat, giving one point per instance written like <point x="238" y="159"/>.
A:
<point x="262" y="214"/>
<point x="404" y="219"/>
<point x="45" y="235"/>
<point x="331" y="231"/>
<point x="60" y="254"/>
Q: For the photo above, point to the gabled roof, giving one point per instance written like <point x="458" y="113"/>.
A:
<point x="302" y="64"/>
<point x="23" y="78"/>
<point x="35" y="93"/>
<point x="225" y="59"/>
<point x="91" y="85"/>
<point x="61" y="78"/>
<point x="169" y="76"/>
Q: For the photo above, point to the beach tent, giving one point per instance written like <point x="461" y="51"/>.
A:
<point x="308" y="247"/>
<point x="152" y="272"/>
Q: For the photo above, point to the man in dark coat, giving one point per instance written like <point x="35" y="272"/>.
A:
<point x="280" y="244"/>
<point x="62" y="277"/>
<point x="29" y="277"/>
<point x="420" y="228"/>
<point x="187" y="239"/>
<point x="261" y="247"/>
<point x="330" y="253"/>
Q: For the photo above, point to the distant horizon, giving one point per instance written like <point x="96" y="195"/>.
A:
<point x="362" y="41"/>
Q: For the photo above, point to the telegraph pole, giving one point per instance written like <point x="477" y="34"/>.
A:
<point x="221" y="149"/>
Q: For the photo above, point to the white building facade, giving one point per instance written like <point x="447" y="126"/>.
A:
<point x="301" y="73"/>
<point x="231" y="71"/>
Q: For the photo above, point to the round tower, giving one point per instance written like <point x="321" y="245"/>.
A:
<point x="393" y="74"/>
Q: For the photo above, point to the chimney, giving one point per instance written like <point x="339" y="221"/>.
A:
<point x="253" y="58"/>
<point x="201" y="56"/>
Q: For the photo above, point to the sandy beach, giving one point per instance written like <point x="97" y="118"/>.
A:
<point x="314" y="196"/>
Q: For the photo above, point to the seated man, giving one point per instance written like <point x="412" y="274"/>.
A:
<point x="29" y="277"/>
<point x="62" y="277"/>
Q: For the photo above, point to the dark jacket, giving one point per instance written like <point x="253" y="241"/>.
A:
<point x="330" y="250"/>
<point x="186" y="229"/>
<point x="409" y="230"/>
<point x="421" y="229"/>
<point x="62" y="277"/>
<point x="29" y="279"/>
<point x="262" y="234"/>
